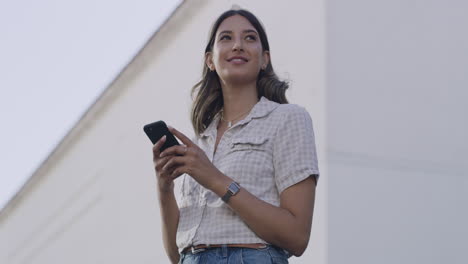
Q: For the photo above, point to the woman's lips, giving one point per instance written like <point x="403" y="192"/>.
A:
<point x="238" y="60"/>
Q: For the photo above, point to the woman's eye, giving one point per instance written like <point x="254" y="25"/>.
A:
<point x="225" y="37"/>
<point x="250" y="37"/>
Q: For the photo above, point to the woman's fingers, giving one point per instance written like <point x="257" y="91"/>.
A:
<point x="174" y="150"/>
<point x="181" y="136"/>
<point x="177" y="172"/>
<point x="157" y="147"/>
<point x="173" y="163"/>
<point x="172" y="167"/>
<point x="160" y="163"/>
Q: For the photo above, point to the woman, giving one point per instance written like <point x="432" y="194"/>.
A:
<point x="249" y="177"/>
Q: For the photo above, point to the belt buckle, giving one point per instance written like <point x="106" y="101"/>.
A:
<point x="195" y="251"/>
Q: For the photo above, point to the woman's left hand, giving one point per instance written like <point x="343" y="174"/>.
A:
<point x="189" y="158"/>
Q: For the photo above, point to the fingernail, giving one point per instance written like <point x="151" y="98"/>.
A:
<point x="163" y="138"/>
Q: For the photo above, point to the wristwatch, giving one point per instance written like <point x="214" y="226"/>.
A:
<point x="233" y="189"/>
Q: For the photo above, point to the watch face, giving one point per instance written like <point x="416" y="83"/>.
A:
<point x="234" y="188"/>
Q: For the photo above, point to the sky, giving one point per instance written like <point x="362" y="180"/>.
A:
<point x="56" y="57"/>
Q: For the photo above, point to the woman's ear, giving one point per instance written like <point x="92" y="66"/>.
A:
<point x="209" y="61"/>
<point x="265" y="59"/>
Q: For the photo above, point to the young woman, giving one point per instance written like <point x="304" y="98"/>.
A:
<point x="249" y="177"/>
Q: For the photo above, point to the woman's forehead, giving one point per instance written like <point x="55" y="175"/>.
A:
<point x="235" y="23"/>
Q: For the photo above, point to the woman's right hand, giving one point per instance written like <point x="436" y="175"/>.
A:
<point x="163" y="175"/>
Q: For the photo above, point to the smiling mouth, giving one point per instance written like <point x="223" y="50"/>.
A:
<point x="237" y="59"/>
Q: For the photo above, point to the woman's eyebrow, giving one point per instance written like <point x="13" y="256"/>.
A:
<point x="225" y="32"/>
<point x="245" y="31"/>
<point x="250" y="31"/>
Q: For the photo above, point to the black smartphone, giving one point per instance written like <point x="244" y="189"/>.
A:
<point x="157" y="130"/>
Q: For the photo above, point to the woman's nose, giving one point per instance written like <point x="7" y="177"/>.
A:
<point x="237" y="45"/>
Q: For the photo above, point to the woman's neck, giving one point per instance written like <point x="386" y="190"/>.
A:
<point x="238" y="100"/>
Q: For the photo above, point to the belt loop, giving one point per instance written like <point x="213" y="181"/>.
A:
<point x="224" y="249"/>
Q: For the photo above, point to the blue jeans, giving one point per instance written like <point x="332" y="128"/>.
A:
<point x="232" y="255"/>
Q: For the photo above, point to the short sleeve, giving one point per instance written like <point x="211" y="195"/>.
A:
<point x="294" y="152"/>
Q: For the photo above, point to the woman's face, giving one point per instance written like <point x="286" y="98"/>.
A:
<point x="237" y="54"/>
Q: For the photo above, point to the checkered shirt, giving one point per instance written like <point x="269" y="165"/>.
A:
<point x="272" y="148"/>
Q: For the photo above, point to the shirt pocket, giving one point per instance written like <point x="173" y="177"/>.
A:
<point x="249" y="143"/>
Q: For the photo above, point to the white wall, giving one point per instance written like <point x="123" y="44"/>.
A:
<point x="397" y="78"/>
<point x="94" y="200"/>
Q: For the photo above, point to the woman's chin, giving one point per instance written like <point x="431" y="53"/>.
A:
<point x="239" y="78"/>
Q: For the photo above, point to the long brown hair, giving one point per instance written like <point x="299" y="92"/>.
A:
<point x="207" y="94"/>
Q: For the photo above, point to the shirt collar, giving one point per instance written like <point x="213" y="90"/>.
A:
<point x="262" y="108"/>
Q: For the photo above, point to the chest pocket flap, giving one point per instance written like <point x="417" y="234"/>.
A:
<point x="249" y="143"/>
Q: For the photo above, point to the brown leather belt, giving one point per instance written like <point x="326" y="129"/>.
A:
<point x="202" y="247"/>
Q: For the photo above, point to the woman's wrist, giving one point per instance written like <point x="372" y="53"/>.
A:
<point x="166" y="188"/>
<point x="220" y="183"/>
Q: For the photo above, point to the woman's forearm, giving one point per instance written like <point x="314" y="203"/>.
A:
<point x="282" y="227"/>
<point x="170" y="219"/>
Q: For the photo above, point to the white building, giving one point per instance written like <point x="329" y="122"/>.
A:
<point x="385" y="83"/>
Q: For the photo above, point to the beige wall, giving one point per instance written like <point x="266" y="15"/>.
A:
<point x="94" y="200"/>
<point x="397" y="131"/>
